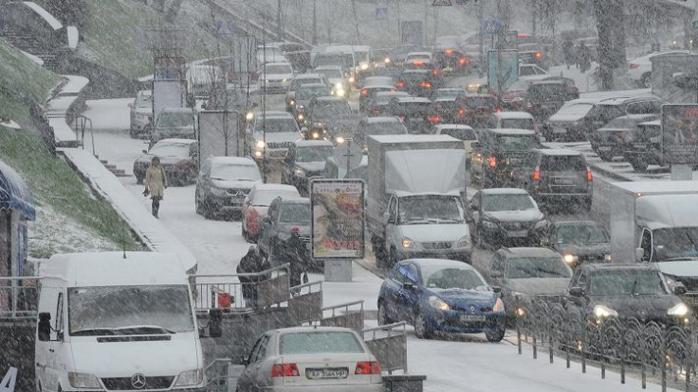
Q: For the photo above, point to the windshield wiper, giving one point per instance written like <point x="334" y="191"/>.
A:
<point x="93" y="332"/>
<point x="145" y="329"/>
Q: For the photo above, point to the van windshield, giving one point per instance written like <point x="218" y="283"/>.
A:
<point x="675" y="244"/>
<point x="129" y="310"/>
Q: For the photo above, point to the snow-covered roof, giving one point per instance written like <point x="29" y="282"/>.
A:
<point x="45" y="15"/>
<point x="513" y="115"/>
<point x="274" y="114"/>
<point x="327" y="67"/>
<point x="241" y="161"/>
<point x="658" y="187"/>
<point x="504" y="191"/>
<point x="442" y="263"/>
<point x="452" y="126"/>
<point x="33" y="58"/>
<point x="394" y="139"/>
<point x="279" y="63"/>
<point x="512" y="131"/>
<point x="307" y="76"/>
<point x="381" y="120"/>
<point x="175" y="140"/>
<point x="273" y="187"/>
<point x="312" y="143"/>
<point x="428" y="54"/>
<point x="412" y="99"/>
<point x="657" y="123"/>
<point x="73" y="36"/>
<point x="392" y="94"/>
<point x="111" y="269"/>
<point x="559" y="152"/>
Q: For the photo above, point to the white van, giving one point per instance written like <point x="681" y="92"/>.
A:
<point x="117" y="321"/>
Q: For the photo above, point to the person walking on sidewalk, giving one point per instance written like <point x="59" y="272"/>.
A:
<point x="155" y="184"/>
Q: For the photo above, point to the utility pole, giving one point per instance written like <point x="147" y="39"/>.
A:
<point x="399" y="23"/>
<point x="356" y="22"/>
<point x="314" y="22"/>
<point x="534" y="17"/>
<point x="279" y="27"/>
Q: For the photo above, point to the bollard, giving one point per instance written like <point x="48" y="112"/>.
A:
<point x="567" y="357"/>
<point x="535" y="350"/>
<point x="622" y="370"/>
<point x="603" y="370"/>
<point x="644" y="376"/>
<point x="518" y="338"/>
<point x="550" y="341"/>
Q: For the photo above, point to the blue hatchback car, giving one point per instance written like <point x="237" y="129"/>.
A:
<point x="441" y="295"/>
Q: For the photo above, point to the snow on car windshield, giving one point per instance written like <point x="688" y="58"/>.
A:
<point x="331" y="109"/>
<point x="264" y="197"/>
<point x="460" y="133"/>
<point x="319" y="342"/>
<point x="676" y="243"/>
<point x="298" y="213"/>
<point x="493" y="203"/>
<point x="581" y="234"/>
<point x="385" y="128"/>
<point x="235" y="172"/>
<point x="330" y="73"/>
<point x="278" y="69"/>
<point x="451" y="278"/>
<point x="578" y="109"/>
<point x="175" y="120"/>
<point x="515" y="142"/>
<point x="537" y="267"/>
<point x="276" y="125"/>
<point x="307" y="93"/>
<point x="169" y="149"/>
<point x="626" y="282"/>
<point x="518" y="123"/>
<point x="430" y="209"/>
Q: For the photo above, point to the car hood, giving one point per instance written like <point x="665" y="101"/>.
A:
<point x="539" y="286"/>
<point x="335" y="81"/>
<point x="233" y="184"/>
<point x="585" y="249"/>
<point x="564" y="118"/>
<point x="152" y="358"/>
<point x="435" y="232"/>
<point x="461" y="298"/>
<point x="637" y="305"/>
<point x="613" y="130"/>
<point x="278" y="137"/>
<point x="515" y="216"/>
<point x="279" y="76"/>
<point x="679" y="268"/>
<point x="312" y="166"/>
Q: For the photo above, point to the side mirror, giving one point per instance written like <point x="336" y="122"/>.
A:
<point x="497" y="289"/>
<point x="144" y="151"/>
<point x="577" y="292"/>
<point x="215" y="323"/>
<point x="44" y="328"/>
<point x="639" y="253"/>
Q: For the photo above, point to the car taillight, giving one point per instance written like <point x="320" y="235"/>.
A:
<point x="590" y="177"/>
<point x="285" y="370"/>
<point x="368" y="367"/>
<point x="251" y="215"/>
<point x="538" y="55"/>
<point x="400" y="84"/>
<point x="492" y="161"/>
<point x="424" y="84"/>
<point x="402" y="118"/>
<point x="461" y="112"/>
<point x="364" y="92"/>
<point x="448" y="52"/>
<point x="462" y="61"/>
<point x="436" y="72"/>
<point x="434" y="119"/>
<point x="536" y="174"/>
<point x="633" y="66"/>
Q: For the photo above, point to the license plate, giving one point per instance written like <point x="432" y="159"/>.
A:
<point x="326" y="373"/>
<point x="564" y="181"/>
<point x="559" y="130"/>
<point x="518" y="233"/>
<point x="468" y="318"/>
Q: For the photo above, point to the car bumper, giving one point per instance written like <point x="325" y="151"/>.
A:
<point x="273" y="154"/>
<point x="325" y="388"/>
<point x="499" y="234"/>
<point x="557" y="197"/>
<point x="453" y="322"/>
<point x="224" y="204"/>
<point x="461" y="254"/>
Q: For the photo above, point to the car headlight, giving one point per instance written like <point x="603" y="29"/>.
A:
<point x="83" y="380"/>
<point x="301" y="117"/>
<point x="438" y="303"/>
<point x="218" y="191"/>
<point x="570" y="259"/>
<point x="407" y="243"/>
<point x="678" y="310"/>
<point x="464" y="242"/>
<point x="351" y="79"/>
<point x="340" y="140"/>
<point x="258" y="154"/>
<point x="292" y="103"/>
<point x="498" y="306"/>
<point x="315" y="135"/>
<point x="249" y="116"/>
<point x="260" y="144"/>
<point x="602" y="311"/>
<point x="489" y="224"/>
<point x="607" y="258"/>
<point x="300" y="107"/>
<point x="363" y="66"/>
<point x="299" y="172"/>
<point x="339" y="92"/>
<point x="190" y="377"/>
<point x="284" y="80"/>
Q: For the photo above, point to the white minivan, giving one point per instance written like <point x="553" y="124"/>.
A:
<point x="117" y="321"/>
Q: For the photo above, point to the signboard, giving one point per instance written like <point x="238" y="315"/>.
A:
<point x="411" y="33"/>
<point x="491" y="26"/>
<point x="168" y="68"/>
<point x="168" y="94"/>
<point x="680" y="133"/>
<point x="218" y="134"/>
<point x="337" y="208"/>
<point x="502" y="68"/>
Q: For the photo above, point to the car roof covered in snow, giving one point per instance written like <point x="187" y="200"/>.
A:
<point x="642" y="188"/>
<point x="307" y="76"/>
<point x="112" y="269"/>
<point x="440" y="263"/>
<point x="512" y="132"/>
<point x="411" y="99"/>
<point x="273" y="187"/>
<point x="313" y="143"/>
<point x="310" y="329"/>
<point x="275" y="114"/>
<point x="295" y="200"/>
<point x="394" y="139"/>
<point x="504" y="191"/>
<point x="440" y="127"/>
<point x="175" y="140"/>
<point x="277" y="63"/>
<point x="392" y="94"/>
<point x="530" y="252"/>
<point x="327" y="67"/>
<point x="513" y="115"/>
<point x="559" y="151"/>
<point x="656" y="123"/>
<point x="241" y="161"/>
<point x="381" y="120"/>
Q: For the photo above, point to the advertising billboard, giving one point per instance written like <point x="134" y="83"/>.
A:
<point x="502" y="68"/>
<point x="219" y="134"/>
<point x="680" y="133"/>
<point x="337" y="208"/>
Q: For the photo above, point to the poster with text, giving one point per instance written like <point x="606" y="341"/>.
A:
<point x="337" y="218"/>
<point x="680" y="133"/>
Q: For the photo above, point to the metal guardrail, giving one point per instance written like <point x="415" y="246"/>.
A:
<point x="388" y="343"/>
<point x="81" y="124"/>
<point x="227" y="292"/>
<point x="19" y="296"/>
<point x="220" y="376"/>
<point x="343" y="315"/>
<point x="305" y="304"/>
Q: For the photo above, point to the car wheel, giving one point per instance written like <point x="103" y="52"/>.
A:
<point x="421" y="327"/>
<point x="208" y="211"/>
<point x="495" y="336"/>
<point x="383" y="318"/>
<point x="646" y="80"/>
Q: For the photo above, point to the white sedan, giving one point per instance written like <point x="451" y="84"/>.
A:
<point x="311" y="359"/>
<point x="640" y="69"/>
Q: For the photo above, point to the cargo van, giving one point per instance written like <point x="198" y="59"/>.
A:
<point x="117" y="321"/>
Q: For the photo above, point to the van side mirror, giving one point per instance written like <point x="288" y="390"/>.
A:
<point x="44" y="328"/>
<point x="577" y="292"/>
<point x="639" y="253"/>
<point x="215" y="323"/>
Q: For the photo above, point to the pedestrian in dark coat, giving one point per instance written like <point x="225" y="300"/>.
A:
<point x="252" y="263"/>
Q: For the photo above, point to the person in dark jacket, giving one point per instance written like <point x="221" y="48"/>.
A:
<point x="251" y="263"/>
<point x="295" y="252"/>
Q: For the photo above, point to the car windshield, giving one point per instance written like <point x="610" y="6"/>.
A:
<point x="319" y="342"/>
<point x="129" y="310"/>
<point x="170" y="149"/>
<point x="229" y="171"/>
<point x="330" y="73"/>
<point x="278" y="69"/>
<point x="308" y="93"/>
<point x="451" y="278"/>
<point x="518" y="123"/>
<point x="313" y="153"/>
<point x="449" y="93"/>
<point x="626" y="282"/>
<point x="414" y="109"/>
<point x="460" y="133"/>
<point x="277" y="125"/>
<point x="415" y="210"/>
<point x="175" y="120"/>
<point x="676" y="243"/>
<point x="329" y="60"/>
<point x="515" y="142"/>
<point x="623" y="123"/>
<point x="581" y="234"/>
<point x="537" y="267"/>
<point x="331" y="109"/>
<point x="298" y="213"/>
<point x="562" y="163"/>
<point x="547" y="92"/>
<point x="385" y="128"/>
<point x="265" y="197"/>
<point x="505" y="202"/>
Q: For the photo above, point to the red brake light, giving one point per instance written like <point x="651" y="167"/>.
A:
<point x="462" y="61"/>
<point x="368" y="367"/>
<point x="295" y="229"/>
<point x="538" y="55"/>
<point x="492" y="161"/>
<point x="434" y="119"/>
<point x="424" y="84"/>
<point x="285" y="370"/>
<point x="436" y="72"/>
<point x="633" y="66"/>
<point x="461" y="112"/>
<point x="418" y="63"/>
<point x="590" y="176"/>
<point x="364" y="92"/>
<point x="400" y="84"/>
<point x="536" y="174"/>
<point x="448" y="52"/>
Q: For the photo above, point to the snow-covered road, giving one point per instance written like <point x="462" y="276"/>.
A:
<point x="463" y="364"/>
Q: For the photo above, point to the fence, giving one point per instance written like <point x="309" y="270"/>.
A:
<point x="18" y="297"/>
<point x="305" y="305"/>
<point x="344" y="315"/>
<point x="389" y="344"/>
<point x="650" y="348"/>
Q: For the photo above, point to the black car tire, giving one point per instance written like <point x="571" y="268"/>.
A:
<point x="383" y="318"/>
<point x="421" y="329"/>
<point x="639" y="165"/>
<point x="495" y="336"/>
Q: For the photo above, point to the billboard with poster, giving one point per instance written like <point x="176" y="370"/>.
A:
<point x="502" y="67"/>
<point x="337" y="225"/>
<point x="680" y="133"/>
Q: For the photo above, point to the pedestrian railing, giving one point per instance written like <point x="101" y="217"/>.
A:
<point x="222" y="375"/>
<point x="388" y="343"/>
<point x="347" y="315"/>
<point x="19" y="297"/>
<point x="663" y="352"/>
<point x="305" y="304"/>
<point x="232" y="292"/>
